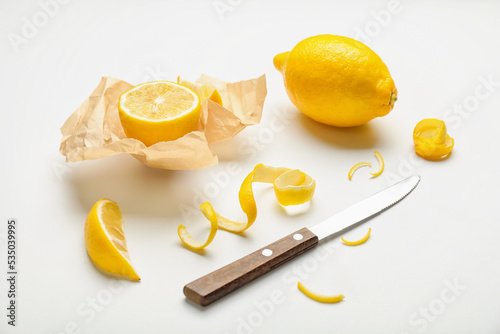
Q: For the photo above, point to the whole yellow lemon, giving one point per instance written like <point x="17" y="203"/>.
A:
<point x="337" y="80"/>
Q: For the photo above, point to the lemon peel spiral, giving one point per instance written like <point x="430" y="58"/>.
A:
<point x="291" y="187"/>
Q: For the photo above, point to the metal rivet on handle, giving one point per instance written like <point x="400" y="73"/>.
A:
<point x="267" y="252"/>
<point x="298" y="236"/>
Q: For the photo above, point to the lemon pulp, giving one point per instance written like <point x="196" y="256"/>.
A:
<point x="158" y="111"/>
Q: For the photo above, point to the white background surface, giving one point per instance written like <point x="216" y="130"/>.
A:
<point x="445" y="233"/>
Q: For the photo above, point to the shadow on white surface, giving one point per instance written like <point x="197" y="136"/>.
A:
<point x="136" y="188"/>
<point x="359" y="137"/>
<point x="229" y="150"/>
<point x="296" y="210"/>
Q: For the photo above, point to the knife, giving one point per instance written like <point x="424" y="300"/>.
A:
<point x="221" y="282"/>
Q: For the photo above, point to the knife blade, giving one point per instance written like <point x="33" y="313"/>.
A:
<point x="215" y="285"/>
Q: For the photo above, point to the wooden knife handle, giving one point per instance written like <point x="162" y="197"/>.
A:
<point x="221" y="282"/>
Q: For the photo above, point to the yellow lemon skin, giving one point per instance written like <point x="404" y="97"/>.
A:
<point x="337" y="80"/>
<point x="151" y="133"/>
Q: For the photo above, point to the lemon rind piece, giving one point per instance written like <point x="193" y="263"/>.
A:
<point x="381" y="164"/>
<point x="318" y="297"/>
<point x="358" y="242"/>
<point x="437" y="128"/>
<point x="248" y="205"/>
<point x="434" y="148"/>
<point x="291" y="186"/>
<point x="356" y="167"/>
<point x="192" y="243"/>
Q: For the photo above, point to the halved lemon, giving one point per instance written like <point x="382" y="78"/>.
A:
<point x="105" y="240"/>
<point x="158" y="111"/>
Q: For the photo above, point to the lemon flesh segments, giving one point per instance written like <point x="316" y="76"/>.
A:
<point x="158" y="111"/>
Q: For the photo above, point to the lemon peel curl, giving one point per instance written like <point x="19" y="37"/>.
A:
<point x="358" y="242"/>
<point x="356" y="167"/>
<point x="431" y="140"/>
<point x="192" y="243"/>
<point x="291" y="187"/>
<point x="318" y="297"/>
<point x="381" y="164"/>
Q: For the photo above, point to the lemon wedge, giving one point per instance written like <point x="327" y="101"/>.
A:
<point x="319" y="298"/>
<point x="158" y="111"/>
<point x="105" y="240"/>
<point x="357" y="242"/>
<point x="204" y="91"/>
<point x="291" y="187"/>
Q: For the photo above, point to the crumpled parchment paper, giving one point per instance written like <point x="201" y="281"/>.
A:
<point x="94" y="130"/>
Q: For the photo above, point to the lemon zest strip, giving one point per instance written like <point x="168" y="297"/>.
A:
<point x="188" y="240"/>
<point x="358" y="242"/>
<point x="291" y="187"/>
<point x="248" y="205"/>
<point x="319" y="298"/>
<point x="356" y="167"/>
<point x="381" y="164"/>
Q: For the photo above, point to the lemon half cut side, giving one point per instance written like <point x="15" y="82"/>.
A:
<point x="158" y="111"/>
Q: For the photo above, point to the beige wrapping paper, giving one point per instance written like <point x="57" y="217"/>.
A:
<point x="94" y="130"/>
